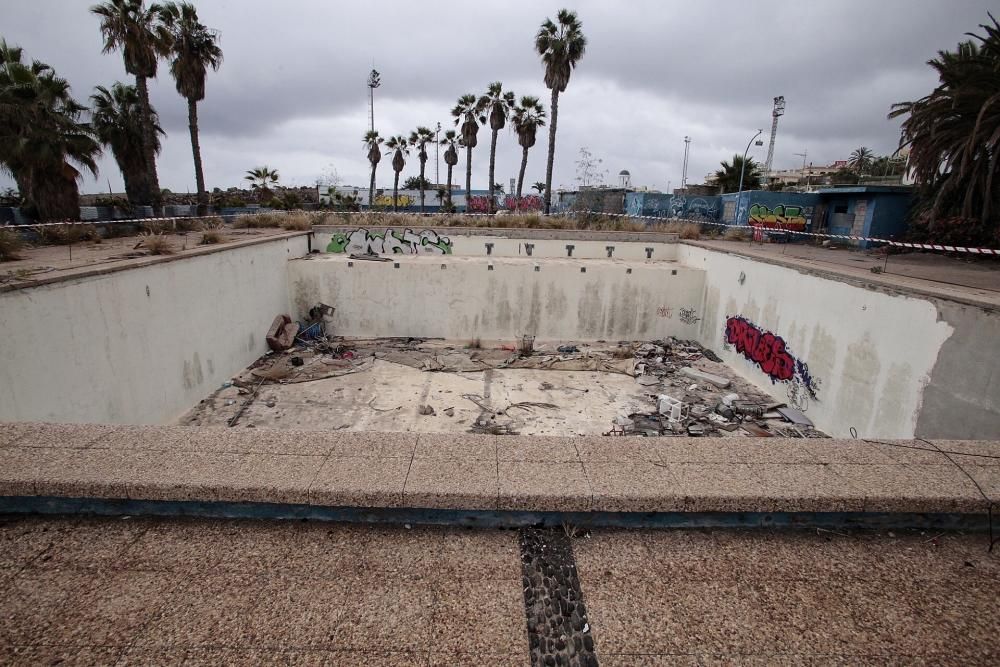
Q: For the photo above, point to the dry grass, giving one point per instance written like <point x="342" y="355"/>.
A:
<point x="210" y="237"/>
<point x="300" y="221"/>
<point x="258" y="220"/>
<point x="685" y="230"/>
<point x="10" y="244"/>
<point x="156" y="244"/>
<point x="67" y="234"/>
<point x="736" y="234"/>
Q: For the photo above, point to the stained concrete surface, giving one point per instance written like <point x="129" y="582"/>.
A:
<point x="388" y="396"/>
<point x="156" y="591"/>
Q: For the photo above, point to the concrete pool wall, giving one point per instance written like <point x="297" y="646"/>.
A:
<point x="140" y="345"/>
<point x="143" y="344"/>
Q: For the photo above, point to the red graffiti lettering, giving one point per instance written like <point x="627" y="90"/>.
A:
<point x="762" y="347"/>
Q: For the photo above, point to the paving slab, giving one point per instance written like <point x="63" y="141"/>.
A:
<point x="485" y="472"/>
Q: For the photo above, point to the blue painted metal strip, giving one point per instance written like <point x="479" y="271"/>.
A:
<point x="489" y="519"/>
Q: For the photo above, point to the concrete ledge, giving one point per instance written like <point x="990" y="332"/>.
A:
<point x="511" y="232"/>
<point x="126" y="265"/>
<point x="368" y="471"/>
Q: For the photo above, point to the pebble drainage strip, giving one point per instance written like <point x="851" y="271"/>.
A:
<point x="558" y="629"/>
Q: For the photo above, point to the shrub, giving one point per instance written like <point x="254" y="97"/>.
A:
<point x="10" y="244"/>
<point x="299" y="222"/>
<point x="258" y="220"/>
<point x="737" y="234"/>
<point x="66" y="234"/>
<point x="156" y="244"/>
<point x="210" y="237"/>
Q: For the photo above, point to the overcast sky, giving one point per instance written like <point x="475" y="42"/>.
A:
<point x="291" y="93"/>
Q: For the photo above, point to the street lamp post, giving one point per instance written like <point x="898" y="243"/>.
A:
<point x="374" y="81"/>
<point x="437" y="156"/>
<point x="743" y="169"/>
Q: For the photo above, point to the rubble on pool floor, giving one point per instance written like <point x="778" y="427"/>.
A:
<point x="657" y="388"/>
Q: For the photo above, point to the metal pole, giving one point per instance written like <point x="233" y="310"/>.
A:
<point x="437" y="156"/>
<point x="743" y="168"/>
<point x="684" y="171"/>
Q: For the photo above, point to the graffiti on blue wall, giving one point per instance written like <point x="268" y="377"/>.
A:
<point x="660" y="205"/>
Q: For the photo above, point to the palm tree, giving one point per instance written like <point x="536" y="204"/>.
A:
<point x="861" y="160"/>
<point x="42" y="137"/>
<point x="467" y="112"/>
<point x="728" y="178"/>
<point x="528" y="116"/>
<point x="194" y="48"/>
<point x="419" y="139"/>
<point x="117" y="119"/>
<point x="371" y="142"/>
<point x="400" y="148"/>
<point x="450" y="140"/>
<point x="261" y="178"/>
<point x="539" y="186"/>
<point x="496" y="107"/>
<point x="130" y="26"/>
<point x="954" y="132"/>
<point x="560" y="47"/>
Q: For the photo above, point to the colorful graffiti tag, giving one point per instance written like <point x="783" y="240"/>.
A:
<point x="768" y="351"/>
<point x="389" y="242"/>
<point x="780" y="217"/>
<point x="525" y="203"/>
<point x="385" y="201"/>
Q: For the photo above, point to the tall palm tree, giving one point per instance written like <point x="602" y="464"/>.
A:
<point x="261" y="179"/>
<point x="450" y="140"/>
<point x="466" y="113"/>
<point x="117" y="119"/>
<point x="42" y="136"/>
<point x="527" y="118"/>
<point x="497" y="106"/>
<point x="371" y="142"/>
<point x="861" y="160"/>
<point x="539" y="186"/>
<point x="400" y="148"/>
<point x="728" y="178"/>
<point x="133" y="28"/>
<point x="419" y="139"/>
<point x="561" y="45"/>
<point x="194" y="49"/>
<point x="954" y="132"/>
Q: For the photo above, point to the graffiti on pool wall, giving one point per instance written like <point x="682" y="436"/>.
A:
<point x="768" y="351"/>
<point x="390" y="242"/>
<point x="780" y="217"/>
<point x="689" y="316"/>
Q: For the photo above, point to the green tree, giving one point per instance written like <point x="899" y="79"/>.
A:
<point x="528" y="116"/>
<point x="451" y="142"/>
<point x="419" y="139"/>
<point x="194" y="49"/>
<point x="416" y="182"/>
<point x="371" y="142"/>
<point x="539" y="186"/>
<point x="861" y="160"/>
<point x="400" y="148"/>
<point x="466" y="113"/>
<point x="42" y="136"/>
<point x="561" y="45"/>
<point x="117" y="119"/>
<point x="133" y="28"/>
<point x="954" y="132"/>
<point x="728" y="177"/>
<point x="497" y="105"/>
<point x="261" y="179"/>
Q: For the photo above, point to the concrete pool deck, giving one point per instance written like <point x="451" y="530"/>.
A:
<point x="495" y="473"/>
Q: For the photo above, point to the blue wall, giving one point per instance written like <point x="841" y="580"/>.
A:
<point x="789" y="209"/>
<point x="663" y="205"/>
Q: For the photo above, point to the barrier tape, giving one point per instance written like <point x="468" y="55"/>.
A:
<point x="755" y="229"/>
<point x="751" y="228"/>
